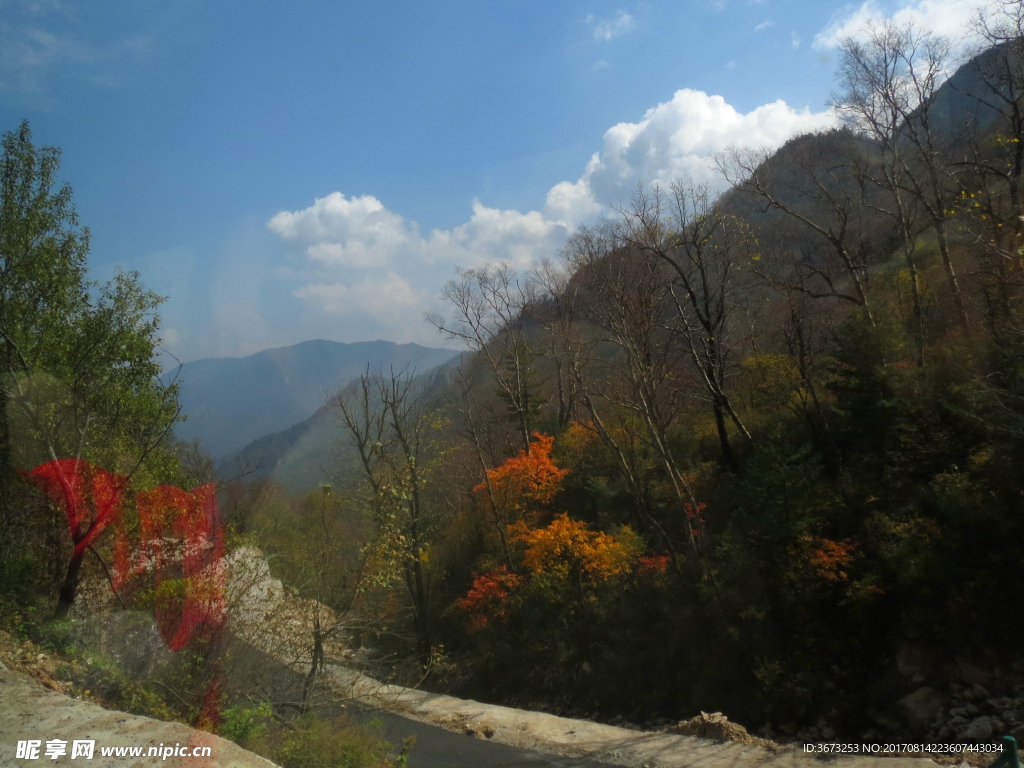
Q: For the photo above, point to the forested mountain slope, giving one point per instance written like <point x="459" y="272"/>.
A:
<point x="316" y="450"/>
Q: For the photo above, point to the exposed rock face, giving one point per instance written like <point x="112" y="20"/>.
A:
<point x="264" y="614"/>
<point x="920" y="708"/>
<point x="971" y="673"/>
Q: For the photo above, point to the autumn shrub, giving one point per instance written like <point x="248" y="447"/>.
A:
<point x="526" y="482"/>
<point x="573" y="618"/>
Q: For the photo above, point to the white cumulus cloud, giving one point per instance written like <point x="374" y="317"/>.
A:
<point x="352" y="232"/>
<point x="949" y="18"/>
<point x="355" y="258"/>
<point x="676" y="139"/>
<point x="363" y="261"/>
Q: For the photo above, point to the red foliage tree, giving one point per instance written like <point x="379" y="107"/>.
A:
<point x="182" y="541"/>
<point x="485" y="600"/>
<point x="91" y="498"/>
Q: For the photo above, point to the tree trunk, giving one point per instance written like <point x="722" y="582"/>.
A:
<point x="66" y="596"/>
<point x="316" y="662"/>
<point x="954" y="286"/>
<point x="915" y="287"/>
<point x="723" y="438"/>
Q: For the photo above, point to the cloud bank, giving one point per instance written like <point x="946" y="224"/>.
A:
<point x="359" y="260"/>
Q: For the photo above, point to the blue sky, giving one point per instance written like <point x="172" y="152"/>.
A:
<point x="318" y="169"/>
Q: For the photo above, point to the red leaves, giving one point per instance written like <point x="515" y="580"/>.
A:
<point x="655" y="565"/>
<point x="90" y="497"/>
<point x="189" y="582"/>
<point x="696" y="518"/>
<point x="486" y="598"/>
<point x="180" y="540"/>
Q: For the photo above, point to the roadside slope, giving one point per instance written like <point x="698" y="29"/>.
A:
<point x="30" y="711"/>
<point x="566" y="737"/>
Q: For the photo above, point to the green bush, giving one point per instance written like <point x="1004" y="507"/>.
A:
<point x="313" y="741"/>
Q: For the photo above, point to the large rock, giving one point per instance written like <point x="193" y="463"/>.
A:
<point x="910" y="660"/>
<point x="920" y="708"/>
<point x="980" y="729"/>
<point x="715" y="726"/>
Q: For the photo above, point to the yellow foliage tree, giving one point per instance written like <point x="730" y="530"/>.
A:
<point x="567" y="547"/>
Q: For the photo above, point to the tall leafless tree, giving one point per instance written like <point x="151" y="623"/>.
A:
<point x="641" y="375"/>
<point x="389" y="421"/>
<point x="704" y="249"/>
<point x="488" y="317"/>
<point x="887" y="89"/>
<point x="992" y="168"/>
<point x="814" y="182"/>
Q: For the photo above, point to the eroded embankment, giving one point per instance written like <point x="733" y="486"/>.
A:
<point x="28" y="711"/>
<point x="563" y="736"/>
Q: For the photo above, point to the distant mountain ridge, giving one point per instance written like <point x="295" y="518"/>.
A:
<point x="317" y="449"/>
<point x="231" y="401"/>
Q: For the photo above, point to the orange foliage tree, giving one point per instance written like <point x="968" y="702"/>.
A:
<point x="829" y="558"/>
<point x="567" y="548"/>
<point x="526" y="481"/>
<point x="564" y="552"/>
<point x="523" y="484"/>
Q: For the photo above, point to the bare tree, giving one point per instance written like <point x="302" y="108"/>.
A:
<point x="888" y="86"/>
<point x="476" y="434"/>
<point x="641" y="375"/>
<point x="388" y="419"/>
<point x="992" y="169"/>
<point x="556" y="308"/>
<point x="703" y="247"/>
<point x="814" y="182"/>
<point x="488" y="317"/>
